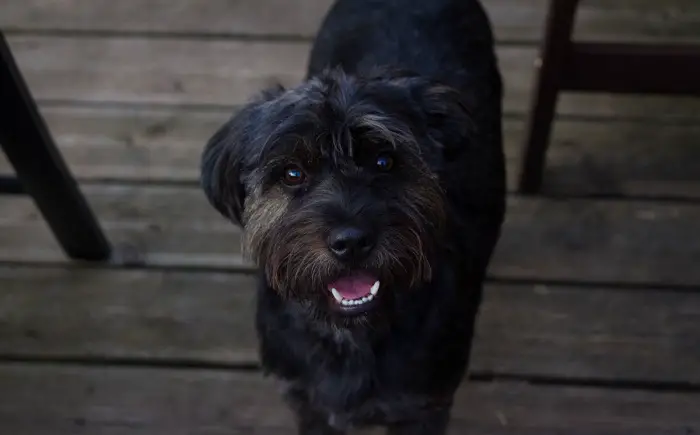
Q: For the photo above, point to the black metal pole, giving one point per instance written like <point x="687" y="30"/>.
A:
<point x="40" y="168"/>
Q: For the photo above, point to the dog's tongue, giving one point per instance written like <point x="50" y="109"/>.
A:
<point x="353" y="287"/>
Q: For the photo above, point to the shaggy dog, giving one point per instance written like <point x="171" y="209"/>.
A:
<point x="371" y="197"/>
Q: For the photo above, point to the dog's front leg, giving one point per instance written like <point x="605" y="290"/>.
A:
<point x="434" y="423"/>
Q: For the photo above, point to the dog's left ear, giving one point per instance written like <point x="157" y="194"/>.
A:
<point x="222" y="162"/>
<point x="450" y="123"/>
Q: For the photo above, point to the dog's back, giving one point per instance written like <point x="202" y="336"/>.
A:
<point x="448" y="40"/>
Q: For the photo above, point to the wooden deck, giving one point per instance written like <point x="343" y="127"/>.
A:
<point x="591" y="322"/>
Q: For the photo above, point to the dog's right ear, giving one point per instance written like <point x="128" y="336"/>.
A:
<point x="222" y="161"/>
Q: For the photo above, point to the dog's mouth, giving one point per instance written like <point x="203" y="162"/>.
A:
<point x="354" y="293"/>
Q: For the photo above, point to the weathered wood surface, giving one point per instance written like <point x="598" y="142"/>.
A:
<point x="126" y="401"/>
<point x="207" y="318"/>
<point x="513" y="20"/>
<point x="586" y="157"/>
<point x="132" y="89"/>
<point x="543" y="239"/>
<point x="225" y="72"/>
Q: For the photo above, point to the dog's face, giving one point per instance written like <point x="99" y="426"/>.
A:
<point x="336" y="184"/>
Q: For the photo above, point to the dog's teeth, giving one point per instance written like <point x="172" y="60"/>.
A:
<point x="357" y="301"/>
<point x="337" y="295"/>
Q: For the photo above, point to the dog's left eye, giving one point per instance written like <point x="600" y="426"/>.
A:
<point x="293" y="176"/>
<point x="385" y="162"/>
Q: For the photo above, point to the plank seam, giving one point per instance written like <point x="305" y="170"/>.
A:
<point x="200" y="36"/>
<point x="248" y="270"/>
<point x="510" y="115"/>
<point x="254" y="367"/>
<point x="590" y="382"/>
<point x="511" y="193"/>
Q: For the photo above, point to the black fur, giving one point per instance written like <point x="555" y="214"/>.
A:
<point x="419" y="79"/>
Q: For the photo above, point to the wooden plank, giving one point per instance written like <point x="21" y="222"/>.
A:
<point x="209" y="17"/>
<point x="580" y="240"/>
<point x="69" y="400"/>
<point x="625" y="158"/>
<point x="599" y="241"/>
<point x="586" y="156"/>
<point x="134" y="144"/>
<point x="670" y="69"/>
<point x="207" y="318"/>
<point x="153" y="70"/>
<point x="589" y="333"/>
<point x="513" y="20"/>
<point x="128" y="314"/>
<point x="226" y="73"/>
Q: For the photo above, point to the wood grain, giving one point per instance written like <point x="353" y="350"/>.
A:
<point x="543" y="239"/>
<point x="130" y="314"/>
<point x="513" y="20"/>
<point x="576" y="332"/>
<point x="163" y="145"/>
<point x="227" y="73"/>
<point x="207" y="318"/>
<point x="121" y="401"/>
<point x="131" y="91"/>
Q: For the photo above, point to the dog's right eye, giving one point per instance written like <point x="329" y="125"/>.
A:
<point x="385" y="162"/>
<point x="293" y="176"/>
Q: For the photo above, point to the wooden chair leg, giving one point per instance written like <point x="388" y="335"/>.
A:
<point x="553" y="54"/>
<point x="40" y="169"/>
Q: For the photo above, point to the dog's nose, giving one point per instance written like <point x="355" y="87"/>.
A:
<point x="350" y="243"/>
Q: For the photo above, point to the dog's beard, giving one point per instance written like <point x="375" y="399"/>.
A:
<point x="298" y="265"/>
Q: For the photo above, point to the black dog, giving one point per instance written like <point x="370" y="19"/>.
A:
<point x="371" y="198"/>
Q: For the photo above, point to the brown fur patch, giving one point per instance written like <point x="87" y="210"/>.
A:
<point x="299" y="253"/>
<point x="423" y="203"/>
<point x="263" y="213"/>
<point x="301" y="263"/>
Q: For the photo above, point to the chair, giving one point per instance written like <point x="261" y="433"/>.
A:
<point x="565" y="65"/>
<point x="40" y="169"/>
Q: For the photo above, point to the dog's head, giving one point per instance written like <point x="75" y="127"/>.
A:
<point x="336" y="184"/>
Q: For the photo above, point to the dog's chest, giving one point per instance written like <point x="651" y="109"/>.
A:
<point x="356" y="385"/>
<point x="345" y="406"/>
<point x="354" y="377"/>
